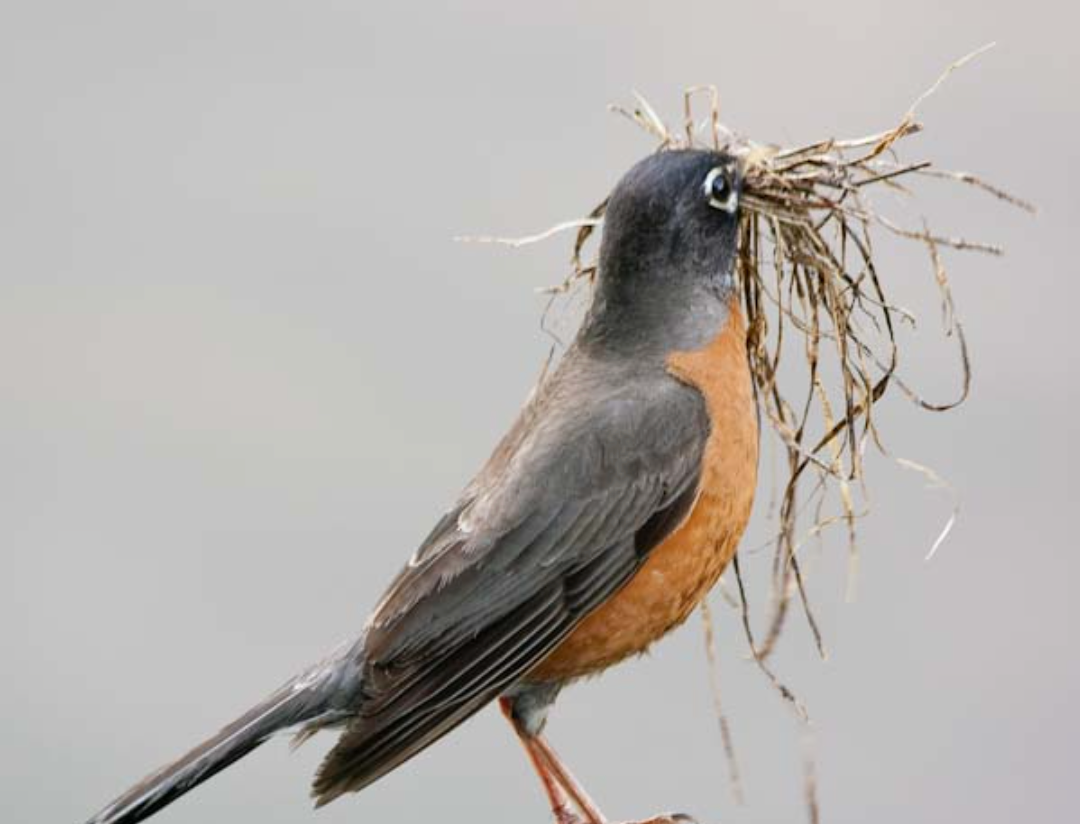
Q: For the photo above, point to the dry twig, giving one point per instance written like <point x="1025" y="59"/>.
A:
<point x="808" y="278"/>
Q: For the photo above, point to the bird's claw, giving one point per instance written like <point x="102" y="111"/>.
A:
<point x="565" y="815"/>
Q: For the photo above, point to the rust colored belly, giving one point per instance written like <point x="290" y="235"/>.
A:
<point x="682" y="570"/>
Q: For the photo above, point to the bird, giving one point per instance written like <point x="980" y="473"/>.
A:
<point x="600" y="521"/>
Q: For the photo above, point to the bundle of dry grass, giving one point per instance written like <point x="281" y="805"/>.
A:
<point x="810" y="281"/>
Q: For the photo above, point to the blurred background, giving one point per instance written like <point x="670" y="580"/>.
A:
<point x="244" y="367"/>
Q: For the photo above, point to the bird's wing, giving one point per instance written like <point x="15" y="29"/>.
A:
<point x="567" y="509"/>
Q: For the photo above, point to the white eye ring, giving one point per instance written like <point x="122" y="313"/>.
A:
<point x="720" y="191"/>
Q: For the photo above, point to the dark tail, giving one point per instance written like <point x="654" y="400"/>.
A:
<point x="322" y="696"/>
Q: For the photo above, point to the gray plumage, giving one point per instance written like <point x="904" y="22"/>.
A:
<point x="320" y="697"/>
<point x="601" y="465"/>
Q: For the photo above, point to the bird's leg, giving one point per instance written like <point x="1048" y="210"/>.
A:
<point x="561" y="804"/>
<point x="559" y="783"/>
<point x="567" y="781"/>
<point x="553" y="775"/>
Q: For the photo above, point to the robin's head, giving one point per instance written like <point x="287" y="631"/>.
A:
<point x="669" y="238"/>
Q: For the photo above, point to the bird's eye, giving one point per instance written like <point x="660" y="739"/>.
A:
<point x="720" y="191"/>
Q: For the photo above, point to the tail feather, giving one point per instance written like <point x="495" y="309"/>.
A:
<point x="322" y="696"/>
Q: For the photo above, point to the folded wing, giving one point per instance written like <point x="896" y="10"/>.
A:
<point x="565" y="512"/>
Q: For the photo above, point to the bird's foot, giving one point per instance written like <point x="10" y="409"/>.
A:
<point x="564" y="814"/>
<point x="568" y="816"/>
<point x="666" y="818"/>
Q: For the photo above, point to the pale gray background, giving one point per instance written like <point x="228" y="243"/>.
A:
<point x="243" y="367"/>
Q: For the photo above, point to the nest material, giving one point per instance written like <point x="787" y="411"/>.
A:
<point x="809" y="280"/>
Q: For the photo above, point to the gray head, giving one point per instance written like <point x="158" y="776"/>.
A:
<point x="668" y="248"/>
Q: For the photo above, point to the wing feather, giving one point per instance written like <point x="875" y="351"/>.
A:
<point x="568" y="508"/>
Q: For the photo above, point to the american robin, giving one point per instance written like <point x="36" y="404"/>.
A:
<point x="600" y="521"/>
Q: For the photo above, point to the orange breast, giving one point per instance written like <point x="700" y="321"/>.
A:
<point x="680" y="571"/>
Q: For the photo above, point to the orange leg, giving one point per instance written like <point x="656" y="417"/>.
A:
<point x="550" y="778"/>
<point x="562" y="789"/>
<point x="566" y="779"/>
